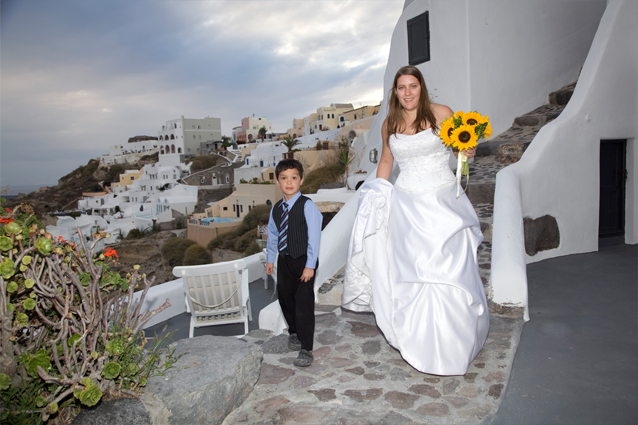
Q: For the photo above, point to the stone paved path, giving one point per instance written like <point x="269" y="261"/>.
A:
<point x="357" y="378"/>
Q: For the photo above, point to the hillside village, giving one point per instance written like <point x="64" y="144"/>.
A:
<point x="190" y="176"/>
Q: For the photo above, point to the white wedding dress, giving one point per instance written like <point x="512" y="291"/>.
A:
<point x="412" y="260"/>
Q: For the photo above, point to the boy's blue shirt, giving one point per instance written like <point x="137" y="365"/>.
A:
<point x="314" y="219"/>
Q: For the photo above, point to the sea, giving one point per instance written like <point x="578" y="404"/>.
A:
<point x="12" y="191"/>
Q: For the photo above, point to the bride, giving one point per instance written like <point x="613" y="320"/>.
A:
<point x="412" y="257"/>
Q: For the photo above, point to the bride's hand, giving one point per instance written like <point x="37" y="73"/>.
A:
<point x="468" y="152"/>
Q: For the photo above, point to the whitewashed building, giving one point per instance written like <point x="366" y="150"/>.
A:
<point x="129" y="152"/>
<point x="183" y="137"/>
<point x="503" y="59"/>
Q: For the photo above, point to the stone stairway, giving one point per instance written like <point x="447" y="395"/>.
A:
<point x="494" y="155"/>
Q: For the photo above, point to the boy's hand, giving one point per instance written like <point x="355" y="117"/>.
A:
<point x="307" y="274"/>
<point x="269" y="267"/>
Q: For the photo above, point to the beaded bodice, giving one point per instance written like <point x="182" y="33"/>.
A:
<point x="423" y="160"/>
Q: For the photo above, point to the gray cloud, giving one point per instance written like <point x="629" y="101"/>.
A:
<point x="78" y="76"/>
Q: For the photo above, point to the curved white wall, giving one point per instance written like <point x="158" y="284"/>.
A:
<point x="559" y="173"/>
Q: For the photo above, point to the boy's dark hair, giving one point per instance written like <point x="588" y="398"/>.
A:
<point x="288" y="164"/>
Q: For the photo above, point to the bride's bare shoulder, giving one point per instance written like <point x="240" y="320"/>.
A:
<point x="441" y="112"/>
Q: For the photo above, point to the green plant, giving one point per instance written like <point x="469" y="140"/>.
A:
<point x="64" y="317"/>
<point x="345" y="160"/>
<point x="319" y="145"/>
<point x="173" y="250"/>
<point x="327" y="174"/>
<point x="180" y="222"/>
<point x="253" y="248"/>
<point x="290" y="143"/>
<point x="244" y="240"/>
<point x="262" y="133"/>
<point x="202" y="162"/>
<point x="195" y="255"/>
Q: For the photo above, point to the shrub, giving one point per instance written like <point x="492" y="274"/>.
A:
<point x="114" y="172"/>
<point x="326" y="174"/>
<point x="218" y="241"/>
<point x="195" y="255"/>
<point x="66" y="323"/>
<point x="174" y="249"/>
<point x="202" y="162"/>
<point x="253" y="248"/>
<point x="244" y="241"/>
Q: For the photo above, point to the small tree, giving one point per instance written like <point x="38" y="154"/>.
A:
<point x="70" y="328"/>
<point x="345" y="160"/>
<point x="262" y="133"/>
<point x="290" y="143"/>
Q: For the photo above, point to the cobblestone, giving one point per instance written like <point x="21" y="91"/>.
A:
<point x="362" y="380"/>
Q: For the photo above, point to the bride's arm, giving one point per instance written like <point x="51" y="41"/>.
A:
<point x="387" y="159"/>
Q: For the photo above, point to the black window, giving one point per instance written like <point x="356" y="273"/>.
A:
<point x="419" y="39"/>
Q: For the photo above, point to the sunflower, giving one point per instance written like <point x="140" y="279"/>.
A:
<point x="472" y="118"/>
<point x="488" y="130"/>
<point x="446" y="131"/>
<point x="464" y="137"/>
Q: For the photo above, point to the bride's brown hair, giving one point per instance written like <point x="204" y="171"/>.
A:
<point x="424" y="113"/>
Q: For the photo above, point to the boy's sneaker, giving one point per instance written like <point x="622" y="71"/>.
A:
<point x="293" y="342"/>
<point x="304" y="360"/>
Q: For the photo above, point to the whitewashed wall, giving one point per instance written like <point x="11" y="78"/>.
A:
<point x="559" y="173"/>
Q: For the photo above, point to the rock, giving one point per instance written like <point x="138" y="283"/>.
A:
<point x="450" y="385"/>
<point x="213" y="376"/>
<point x="321" y="353"/>
<point x="276" y="345"/>
<point x="328" y="337"/>
<point x="470" y="377"/>
<point x="303" y="382"/>
<point x="469" y="391"/>
<point x="400" y="400"/>
<point x="356" y="370"/>
<point x="325" y="394"/>
<point x="494" y="377"/>
<point x="339" y="361"/>
<point x="271" y="374"/>
<point x="457" y="401"/>
<point x="363" y="330"/>
<point x="424" y="389"/>
<point x="374" y="376"/>
<point x="300" y="414"/>
<point x="364" y="395"/>
<point x="371" y="347"/>
<point x="270" y="404"/>
<point x="495" y="390"/>
<point x="541" y="234"/>
<point x="123" y="411"/>
<point x="434" y="409"/>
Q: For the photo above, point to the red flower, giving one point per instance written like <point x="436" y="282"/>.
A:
<point x="8" y="209"/>
<point x="6" y="220"/>
<point x="109" y="252"/>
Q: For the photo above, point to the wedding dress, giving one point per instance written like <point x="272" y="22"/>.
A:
<point x="412" y="260"/>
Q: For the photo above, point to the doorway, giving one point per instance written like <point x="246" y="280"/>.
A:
<point x="613" y="177"/>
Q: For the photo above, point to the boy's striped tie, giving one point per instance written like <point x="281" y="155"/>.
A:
<point x="283" y="228"/>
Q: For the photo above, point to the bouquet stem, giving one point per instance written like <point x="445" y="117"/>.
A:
<point x="462" y="168"/>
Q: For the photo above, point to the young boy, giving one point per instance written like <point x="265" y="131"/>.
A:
<point x="294" y="230"/>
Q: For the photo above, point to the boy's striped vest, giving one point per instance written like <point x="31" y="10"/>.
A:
<point x="297" y="226"/>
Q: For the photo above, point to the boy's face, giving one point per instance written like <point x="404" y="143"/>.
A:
<point x="289" y="182"/>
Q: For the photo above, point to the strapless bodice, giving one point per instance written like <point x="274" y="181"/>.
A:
<point x="423" y="160"/>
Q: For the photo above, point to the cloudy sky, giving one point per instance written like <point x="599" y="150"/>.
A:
<point x="78" y="76"/>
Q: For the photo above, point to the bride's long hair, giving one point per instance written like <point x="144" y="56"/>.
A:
<point x="424" y="113"/>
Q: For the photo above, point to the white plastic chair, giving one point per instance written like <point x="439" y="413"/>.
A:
<point x="216" y="294"/>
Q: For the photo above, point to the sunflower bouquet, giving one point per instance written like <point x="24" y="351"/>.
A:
<point x="462" y="131"/>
